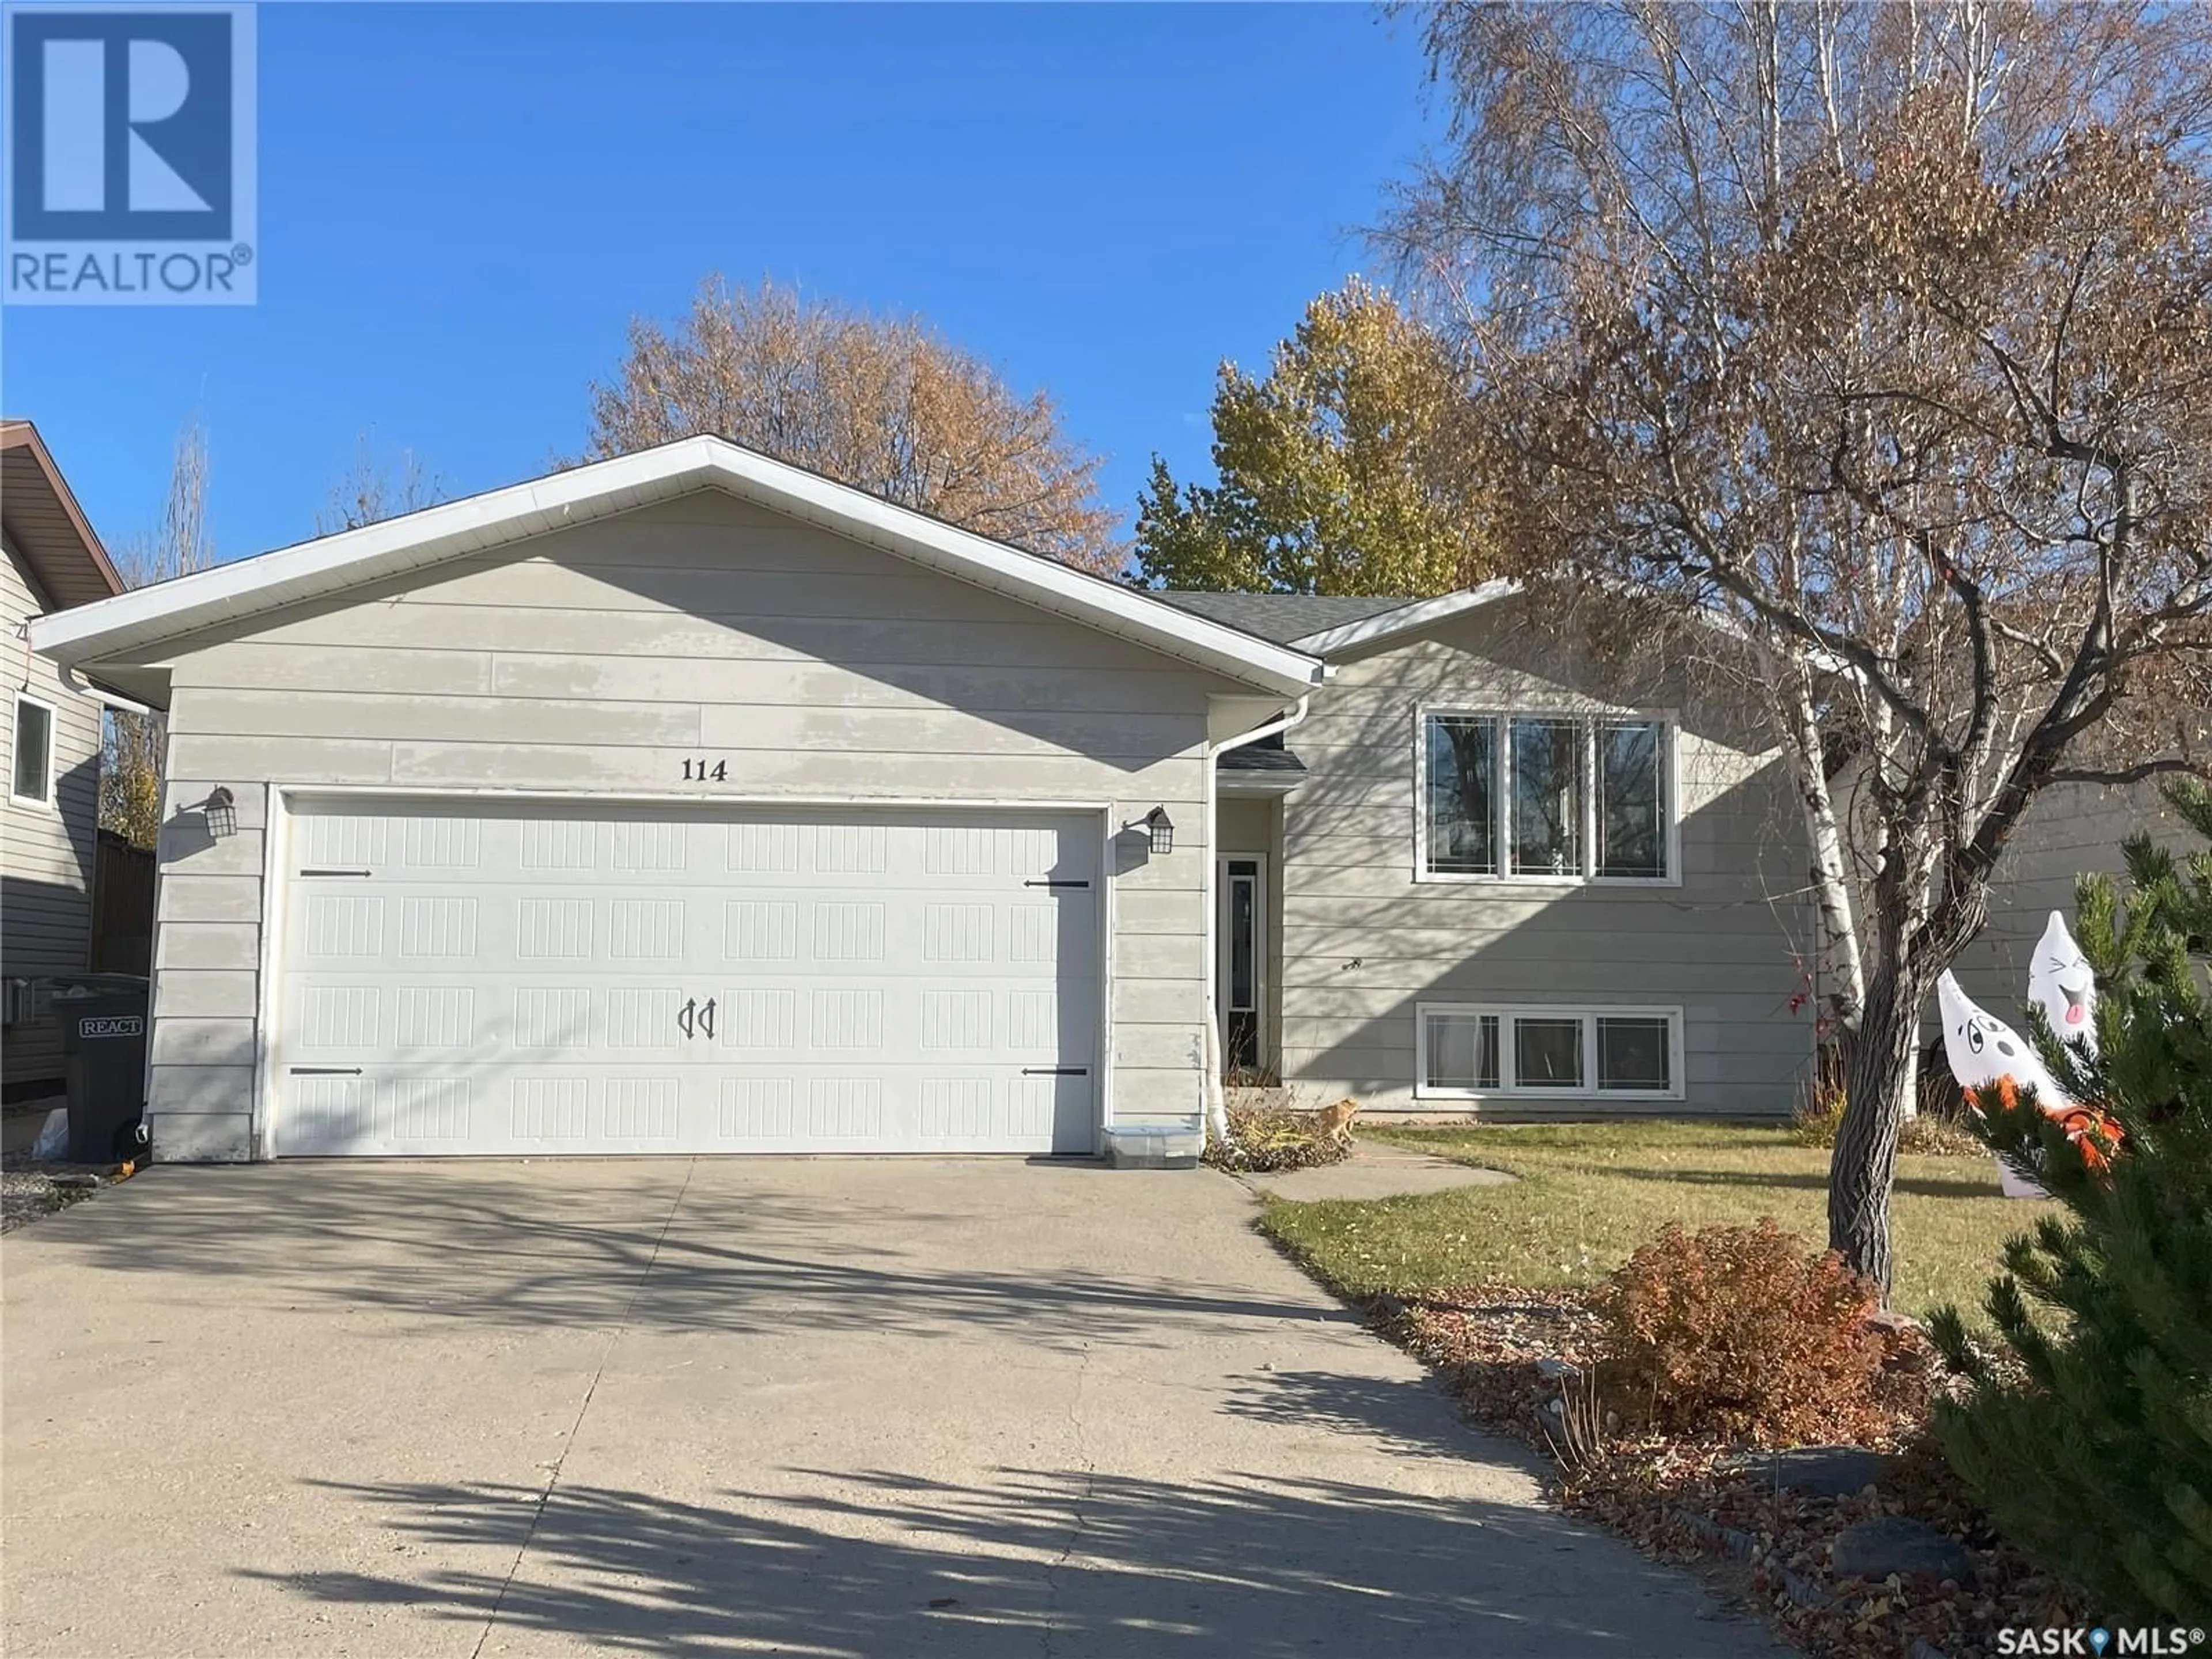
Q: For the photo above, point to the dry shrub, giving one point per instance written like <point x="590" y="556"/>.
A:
<point x="1746" y="1333"/>
<point x="1818" y="1114"/>
<point x="1264" y="1140"/>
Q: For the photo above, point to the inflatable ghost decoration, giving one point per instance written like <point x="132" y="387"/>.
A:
<point x="2060" y="978"/>
<point x="1982" y="1048"/>
<point x="1983" y="1051"/>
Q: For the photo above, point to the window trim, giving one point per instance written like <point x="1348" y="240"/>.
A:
<point x="1588" y="1012"/>
<point x="1588" y="718"/>
<point x="47" y="802"/>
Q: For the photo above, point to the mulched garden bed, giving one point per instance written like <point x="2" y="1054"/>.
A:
<point x="30" y="1191"/>
<point x="1500" y="1350"/>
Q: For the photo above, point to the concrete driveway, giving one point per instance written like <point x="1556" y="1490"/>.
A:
<point x="819" y="1408"/>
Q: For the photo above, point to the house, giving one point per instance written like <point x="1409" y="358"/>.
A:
<point x="684" y="801"/>
<point x="49" y="833"/>
<point x="1479" y="874"/>
<point x="691" y="802"/>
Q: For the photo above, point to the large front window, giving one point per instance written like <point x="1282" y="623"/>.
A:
<point x="1544" y="797"/>
<point x="1462" y="806"/>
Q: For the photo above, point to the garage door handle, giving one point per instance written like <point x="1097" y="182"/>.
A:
<point x="338" y="873"/>
<point x="1055" y="1071"/>
<point x="683" y="1015"/>
<point x="706" y="1018"/>
<point x="324" y="1071"/>
<point x="1055" y="883"/>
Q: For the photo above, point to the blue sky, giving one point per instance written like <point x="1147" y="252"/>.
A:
<point x="462" y="206"/>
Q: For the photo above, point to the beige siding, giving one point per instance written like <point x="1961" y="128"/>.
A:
<point x="2071" y="830"/>
<point x="595" y="660"/>
<point x="46" y="851"/>
<point x="1364" y="942"/>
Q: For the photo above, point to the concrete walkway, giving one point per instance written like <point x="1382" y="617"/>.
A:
<point x="1376" y="1169"/>
<point x="828" y="1407"/>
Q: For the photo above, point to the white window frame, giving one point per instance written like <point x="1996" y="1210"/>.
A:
<point x="1505" y="1013"/>
<point x="15" y="749"/>
<point x="1502" y="830"/>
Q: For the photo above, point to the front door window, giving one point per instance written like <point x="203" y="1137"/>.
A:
<point x="1238" y="990"/>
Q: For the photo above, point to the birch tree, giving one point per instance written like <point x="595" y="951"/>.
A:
<point x="1875" y="335"/>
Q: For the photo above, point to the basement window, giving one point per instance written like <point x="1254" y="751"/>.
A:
<point x="1472" y="1053"/>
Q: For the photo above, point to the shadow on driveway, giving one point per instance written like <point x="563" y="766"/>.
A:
<point x="1039" y="1562"/>
<point x="759" y="1247"/>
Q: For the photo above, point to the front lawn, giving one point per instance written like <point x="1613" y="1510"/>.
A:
<point x="1590" y="1193"/>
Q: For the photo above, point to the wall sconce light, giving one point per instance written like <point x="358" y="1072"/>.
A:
<point x="1160" y="827"/>
<point x="222" y="812"/>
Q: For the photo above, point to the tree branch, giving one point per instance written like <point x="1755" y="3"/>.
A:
<point x="2120" y="777"/>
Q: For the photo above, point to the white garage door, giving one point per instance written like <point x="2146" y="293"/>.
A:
<point x="540" y="980"/>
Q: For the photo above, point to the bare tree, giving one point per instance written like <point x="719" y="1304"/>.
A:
<point x="881" y="403"/>
<point x="1875" y="332"/>
<point x="132" y="745"/>
<point x="374" y="489"/>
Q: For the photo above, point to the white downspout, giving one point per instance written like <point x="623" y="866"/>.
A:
<point x="1217" y="1103"/>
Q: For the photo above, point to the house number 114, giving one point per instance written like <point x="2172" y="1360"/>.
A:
<point x="697" y="771"/>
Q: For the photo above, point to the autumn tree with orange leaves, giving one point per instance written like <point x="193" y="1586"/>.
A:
<point x="883" y="404"/>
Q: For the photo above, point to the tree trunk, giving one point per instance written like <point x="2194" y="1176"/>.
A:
<point x="1831" y="887"/>
<point x="1878" y="1068"/>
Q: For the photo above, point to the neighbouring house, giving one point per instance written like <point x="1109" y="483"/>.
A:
<point x="691" y="802"/>
<point x="49" y="836"/>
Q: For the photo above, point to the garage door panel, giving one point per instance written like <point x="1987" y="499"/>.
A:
<point x="398" y="1111"/>
<point x="542" y="981"/>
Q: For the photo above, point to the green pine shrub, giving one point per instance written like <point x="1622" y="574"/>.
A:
<point x="2086" y="1428"/>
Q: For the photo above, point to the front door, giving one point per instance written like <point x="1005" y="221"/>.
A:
<point x="1240" y="957"/>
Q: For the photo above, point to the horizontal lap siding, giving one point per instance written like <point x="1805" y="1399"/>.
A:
<point x="596" y="661"/>
<point x="46" y="851"/>
<point x="1364" y="942"/>
<point x="2071" y="829"/>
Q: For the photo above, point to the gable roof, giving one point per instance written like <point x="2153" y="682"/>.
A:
<point x="45" y="525"/>
<point x="1281" y="617"/>
<point x="1404" y="617"/>
<point x="1321" y="623"/>
<point x="139" y="622"/>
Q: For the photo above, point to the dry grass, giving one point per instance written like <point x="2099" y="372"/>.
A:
<point x="1590" y="1194"/>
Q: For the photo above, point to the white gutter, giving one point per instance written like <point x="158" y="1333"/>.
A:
<point x="108" y="699"/>
<point x="1216" y="1103"/>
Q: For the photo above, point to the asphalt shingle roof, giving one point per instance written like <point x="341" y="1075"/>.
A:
<point x="1281" y="617"/>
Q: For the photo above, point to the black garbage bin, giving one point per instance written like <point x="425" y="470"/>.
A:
<point x="103" y="1021"/>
